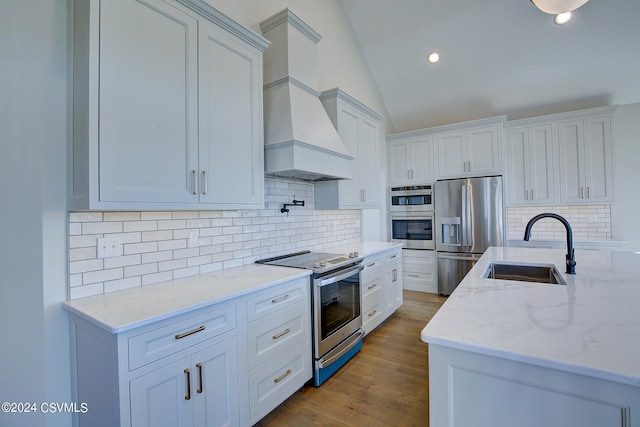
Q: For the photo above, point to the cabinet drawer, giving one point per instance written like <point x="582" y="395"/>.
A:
<point x="371" y="263"/>
<point x="395" y="255"/>
<point x="276" y="381"/>
<point x="429" y="276"/>
<point x="273" y="335"/>
<point x="157" y="343"/>
<point x="372" y="317"/>
<point x="414" y="267"/>
<point x="371" y="299"/>
<point x="274" y="299"/>
<point x="370" y="286"/>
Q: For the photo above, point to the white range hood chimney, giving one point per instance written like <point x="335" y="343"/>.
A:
<point x="300" y="140"/>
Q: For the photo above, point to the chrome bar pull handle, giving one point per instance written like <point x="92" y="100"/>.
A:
<point x="188" y="395"/>
<point x="588" y="192"/>
<point x="533" y="197"/>
<point x="277" y="300"/>
<point x="191" y="332"/>
<point x="194" y="174"/>
<point x="582" y="192"/>
<point x="200" y="387"/>
<point x="205" y="183"/>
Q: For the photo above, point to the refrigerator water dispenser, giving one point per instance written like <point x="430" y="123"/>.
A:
<point x="450" y="231"/>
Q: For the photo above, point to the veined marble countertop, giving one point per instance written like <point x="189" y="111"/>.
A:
<point x="131" y="308"/>
<point x="591" y="326"/>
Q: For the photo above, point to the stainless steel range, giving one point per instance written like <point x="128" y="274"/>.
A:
<point x="336" y="316"/>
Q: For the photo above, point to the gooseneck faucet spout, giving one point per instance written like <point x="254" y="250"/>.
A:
<point x="571" y="260"/>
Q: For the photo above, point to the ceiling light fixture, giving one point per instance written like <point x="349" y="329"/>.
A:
<point x="555" y="7"/>
<point x="433" y="57"/>
<point x="562" y="18"/>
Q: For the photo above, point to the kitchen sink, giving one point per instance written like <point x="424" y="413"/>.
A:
<point x="536" y="273"/>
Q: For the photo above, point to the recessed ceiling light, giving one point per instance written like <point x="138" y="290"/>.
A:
<point x="562" y="18"/>
<point x="433" y="57"/>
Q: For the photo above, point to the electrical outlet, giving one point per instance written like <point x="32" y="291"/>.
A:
<point x="193" y="239"/>
<point x="109" y="248"/>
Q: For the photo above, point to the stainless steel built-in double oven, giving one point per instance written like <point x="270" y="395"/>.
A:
<point x="336" y="309"/>
<point x="412" y="218"/>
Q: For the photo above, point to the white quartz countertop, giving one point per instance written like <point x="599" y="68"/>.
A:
<point x="591" y="326"/>
<point x="365" y="249"/>
<point x="131" y="308"/>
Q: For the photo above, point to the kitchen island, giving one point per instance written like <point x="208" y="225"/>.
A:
<point x="506" y="353"/>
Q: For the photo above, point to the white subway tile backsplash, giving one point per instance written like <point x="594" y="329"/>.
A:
<point x="155" y="244"/>
<point x="588" y="222"/>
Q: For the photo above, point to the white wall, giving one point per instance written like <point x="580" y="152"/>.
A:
<point x="34" y="360"/>
<point x="340" y="64"/>
<point x="625" y="212"/>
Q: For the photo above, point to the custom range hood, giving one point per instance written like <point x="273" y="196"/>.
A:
<point x="300" y="140"/>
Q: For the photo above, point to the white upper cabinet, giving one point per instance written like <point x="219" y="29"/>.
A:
<point x="358" y="127"/>
<point x="167" y="107"/>
<point x="411" y="160"/>
<point x="470" y="152"/>
<point x="586" y="160"/>
<point x="530" y="165"/>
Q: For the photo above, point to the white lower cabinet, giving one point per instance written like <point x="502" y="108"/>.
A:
<point x="278" y="346"/>
<point x="522" y="394"/>
<point x="419" y="270"/>
<point x="228" y="364"/>
<point x="199" y="390"/>
<point x="381" y="287"/>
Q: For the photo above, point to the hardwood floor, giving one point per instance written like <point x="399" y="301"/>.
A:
<point x="385" y="384"/>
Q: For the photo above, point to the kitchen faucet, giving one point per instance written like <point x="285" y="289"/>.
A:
<point x="571" y="260"/>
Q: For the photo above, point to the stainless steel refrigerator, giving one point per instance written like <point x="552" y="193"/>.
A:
<point x="469" y="218"/>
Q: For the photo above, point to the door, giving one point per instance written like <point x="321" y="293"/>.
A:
<point x="215" y="385"/>
<point x="348" y="129"/>
<point x="598" y="159"/>
<point x="422" y="159"/>
<point x="148" y="102"/>
<point x="540" y="170"/>
<point x="231" y="156"/>
<point x="451" y="270"/>
<point x="399" y="156"/>
<point x="368" y="166"/>
<point x="484" y="217"/>
<point x="482" y="151"/>
<point x="163" y="397"/>
<point x="452" y="154"/>
<point x="572" y="174"/>
<point x="469" y="214"/>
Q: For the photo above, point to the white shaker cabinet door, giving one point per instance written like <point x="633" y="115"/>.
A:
<point x="215" y="385"/>
<point x="483" y="151"/>
<point x="399" y="158"/>
<point x="159" y="398"/>
<point x="598" y="159"/>
<point x="452" y="160"/>
<point x="348" y="128"/>
<point x="231" y="168"/>
<point x="148" y="102"/>
<point x="368" y="173"/>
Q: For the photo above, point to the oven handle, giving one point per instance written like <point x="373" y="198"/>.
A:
<point x="340" y="349"/>
<point x="347" y="273"/>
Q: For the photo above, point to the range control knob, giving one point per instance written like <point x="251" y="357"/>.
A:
<point x="316" y="265"/>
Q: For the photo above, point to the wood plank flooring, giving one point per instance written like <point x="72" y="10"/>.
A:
<point x="385" y="384"/>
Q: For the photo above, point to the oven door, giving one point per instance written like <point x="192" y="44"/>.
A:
<point x="413" y="231"/>
<point x="336" y="308"/>
<point x="419" y="200"/>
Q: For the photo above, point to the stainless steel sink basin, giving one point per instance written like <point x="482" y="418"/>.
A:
<point x="536" y="273"/>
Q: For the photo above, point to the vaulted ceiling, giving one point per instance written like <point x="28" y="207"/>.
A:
<point x="498" y="57"/>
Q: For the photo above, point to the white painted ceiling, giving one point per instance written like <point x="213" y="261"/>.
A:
<point x="498" y="57"/>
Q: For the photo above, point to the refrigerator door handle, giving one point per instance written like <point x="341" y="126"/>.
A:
<point x="469" y="225"/>
<point x="468" y="257"/>
<point x="463" y="214"/>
